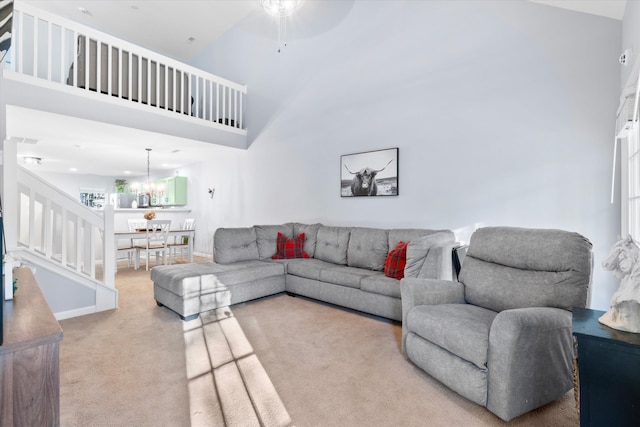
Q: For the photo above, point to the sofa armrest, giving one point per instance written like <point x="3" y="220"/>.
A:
<point x="416" y="292"/>
<point x="530" y="359"/>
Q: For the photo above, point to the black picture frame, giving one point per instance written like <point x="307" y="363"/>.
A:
<point x="370" y="173"/>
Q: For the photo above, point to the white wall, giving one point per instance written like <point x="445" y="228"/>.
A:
<point x="631" y="36"/>
<point x="71" y="183"/>
<point x="503" y="113"/>
<point x="229" y="206"/>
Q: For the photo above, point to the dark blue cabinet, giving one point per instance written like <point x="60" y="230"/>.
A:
<point x="609" y="372"/>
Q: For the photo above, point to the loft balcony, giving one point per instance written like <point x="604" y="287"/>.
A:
<point x="58" y="66"/>
<point x="62" y="67"/>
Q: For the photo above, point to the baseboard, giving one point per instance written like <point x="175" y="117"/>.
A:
<point x="75" y="313"/>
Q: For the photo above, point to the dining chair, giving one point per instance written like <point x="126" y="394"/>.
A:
<point x="130" y="250"/>
<point x="180" y="243"/>
<point x="157" y="234"/>
<point x="137" y="224"/>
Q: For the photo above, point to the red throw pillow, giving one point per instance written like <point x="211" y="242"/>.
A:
<point x="290" y="248"/>
<point x="395" y="262"/>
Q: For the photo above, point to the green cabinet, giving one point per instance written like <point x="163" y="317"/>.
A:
<point x="175" y="191"/>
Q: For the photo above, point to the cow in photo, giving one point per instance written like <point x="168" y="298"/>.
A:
<point x="364" y="181"/>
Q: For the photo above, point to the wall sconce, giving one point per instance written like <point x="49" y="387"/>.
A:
<point x="625" y="58"/>
<point x="211" y="192"/>
<point x="32" y="160"/>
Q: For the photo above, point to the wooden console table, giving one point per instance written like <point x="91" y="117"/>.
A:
<point x="609" y="372"/>
<point x="29" y="358"/>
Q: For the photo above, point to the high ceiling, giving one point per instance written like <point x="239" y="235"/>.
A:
<point x="166" y="26"/>
<point x="607" y="8"/>
<point x="163" y="26"/>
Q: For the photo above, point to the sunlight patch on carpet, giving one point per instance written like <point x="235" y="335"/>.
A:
<point x="227" y="383"/>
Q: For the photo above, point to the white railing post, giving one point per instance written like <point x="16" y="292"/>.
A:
<point x="49" y="49"/>
<point x="21" y="43"/>
<point x="223" y="105"/>
<point x="47" y="218"/>
<point x="210" y="85"/>
<point x="31" y="226"/>
<point x="87" y="61"/>
<point x="63" y="50"/>
<point x="157" y="87"/>
<point x="217" y="103"/>
<point x="75" y="55"/>
<point x="109" y="70"/>
<point x="10" y="198"/>
<point x="130" y="76"/>
<point x="139" y="68"/>
<point x="175" y="89"/>
<point x="78" y="246"/>
<point x="120" y="65"/>
<point x="35" y="46"/>
<point x="108" y="253"/>
<point x="98" y="66"/>
<point x="63" y="237"/>
<point x="148" y="81"/>
<point x="241" y="111"/>
<point x="166" y="87"/>
<point x="182" y="96"/>
<point x="235" y="107"/>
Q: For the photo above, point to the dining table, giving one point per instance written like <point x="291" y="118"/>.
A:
<point x="141" y="233"/>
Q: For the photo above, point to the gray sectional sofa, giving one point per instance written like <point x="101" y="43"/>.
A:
<point x="345" y="267"/>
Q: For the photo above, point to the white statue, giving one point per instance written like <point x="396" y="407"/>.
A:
<point x="624" y="310"/>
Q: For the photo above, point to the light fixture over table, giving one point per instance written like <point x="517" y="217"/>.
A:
<point x="281" y="9"/>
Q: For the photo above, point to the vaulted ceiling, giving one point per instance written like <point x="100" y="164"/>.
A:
<point x="166" y="27"/>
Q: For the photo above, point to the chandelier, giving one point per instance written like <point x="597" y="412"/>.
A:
<point x="149" y="193"/>
<point x="281" y="9"/>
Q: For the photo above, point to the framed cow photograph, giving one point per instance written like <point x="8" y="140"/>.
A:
<point x="372" y="173"/>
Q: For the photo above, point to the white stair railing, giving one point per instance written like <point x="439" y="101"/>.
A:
<point x="64" y="231"/>
<point x="64" y="55"/>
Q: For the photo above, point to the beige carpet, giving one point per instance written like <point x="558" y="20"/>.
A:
<point x="276" y="361"/>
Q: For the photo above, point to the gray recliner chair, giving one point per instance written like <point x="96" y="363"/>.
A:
<point x="501" y="335"/>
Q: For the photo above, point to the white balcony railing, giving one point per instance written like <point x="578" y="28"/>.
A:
<point x="51" y="49"/>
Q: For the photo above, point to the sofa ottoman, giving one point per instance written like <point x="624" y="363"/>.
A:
<point x="189" y="289"/>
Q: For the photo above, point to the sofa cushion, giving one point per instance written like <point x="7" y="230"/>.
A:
<point x="368" y="248"/>
<point x="381" y="284"/>
<point x="290" y="248"/>
<point x="498" y="288"/>
<point x="509" y="267"/>
<point x="196" y="278"/>
<point x="422" y="261"/>
<point x="307" y="268"/>
<point x="310" y="236"/>
<point x="267" y="236"/>
<point x="532" y="249"/>
<point x="248" y="271"/>
<point x="235" y="244"/>
<point x="345" y="276"/>
<point x="396" y="260"/>
<point x="332" y="244"/>
<point x="461" y="329"/>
